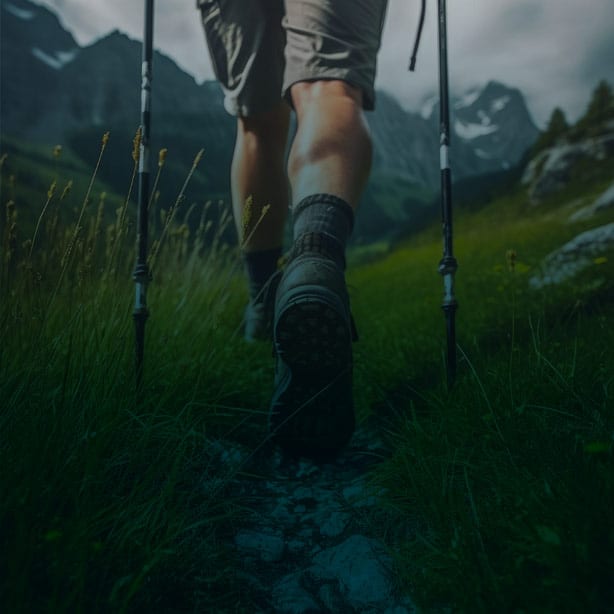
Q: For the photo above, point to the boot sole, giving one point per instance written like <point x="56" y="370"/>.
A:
<point x="312" y="410"/>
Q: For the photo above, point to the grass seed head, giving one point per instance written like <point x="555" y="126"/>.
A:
<point x="105" y="138"/>
<point x="136" y="145"/>
<point x="199" y="155"/>
<point x="66" y="190"/>
<point x="51" y="190"/>
<point x="162" y="157"/>
<point x="57" y="151"/>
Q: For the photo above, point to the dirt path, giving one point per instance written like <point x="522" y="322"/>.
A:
<point x="305" y="544"/>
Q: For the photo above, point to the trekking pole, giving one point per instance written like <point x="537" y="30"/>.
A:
<point x="447" y="265"/>
<point x="141" y="272"/>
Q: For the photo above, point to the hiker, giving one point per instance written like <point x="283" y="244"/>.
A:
<point x="318" y="59"/>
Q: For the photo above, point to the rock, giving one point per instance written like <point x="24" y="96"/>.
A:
<point x="605" y="201"/>
<point x="268" y="547"/>
<point x="358" y="495"/>
<point x="297" y="543"/>
<point x="331" y="598"/>
<point x="290" y="597"/>
<point x="575" y="256"/>
<point x="551" y="169"/>
<point x="335" y="524"/>
<point x="302" y="493"/>
<point x="361" y="566"/>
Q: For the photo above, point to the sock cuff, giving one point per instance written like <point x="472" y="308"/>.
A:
<point x="325" y="199"/>
<point x="321" y="243"/>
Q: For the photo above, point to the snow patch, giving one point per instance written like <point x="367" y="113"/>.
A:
<point x="20" y="13"/>
<point x="468" y="99"/>
<point x="480" y="153"/>
<point x="499" y="104"/>
<point x="427" y="107"/>
<point x="56" y="61"/>
<point x="484" y="118"/>
<point x="473" y="131"/>
<point x="66" y="56"/>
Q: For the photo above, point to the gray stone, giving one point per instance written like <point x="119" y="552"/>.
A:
<point x="303" y="492"/>
<point x="290" y="597"/>
<point x="335" y="524"/>
<point x="575" y="256"/>
<point x="360" y="565"/>
<point x="306" y="468"/>
<point x="296" y="545"/>
<point x="358" y="495"/>
<point x="281" y="514"/>
<point x="605" y="201"/>
<point x="267" y="547"/>
<point x="551" y="169"/>
<point x="330" y="596"/>
<point x="306" y="533"/>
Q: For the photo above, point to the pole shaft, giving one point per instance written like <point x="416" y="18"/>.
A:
<point x="141" y="271"/>
<point x="448" y="264"/>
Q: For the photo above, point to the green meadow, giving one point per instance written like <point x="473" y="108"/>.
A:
<point x="499" y="493"/>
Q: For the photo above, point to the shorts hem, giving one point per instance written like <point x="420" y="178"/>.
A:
<point x="242" y="109"/>
<point x="331" y="74"/>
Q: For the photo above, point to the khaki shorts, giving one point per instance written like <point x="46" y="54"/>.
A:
<point x="260" y="48"/>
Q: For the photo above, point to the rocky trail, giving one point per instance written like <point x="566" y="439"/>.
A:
<point x="306" y="541"/>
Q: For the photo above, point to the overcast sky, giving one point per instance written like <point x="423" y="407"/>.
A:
<point x="555" y="51"/>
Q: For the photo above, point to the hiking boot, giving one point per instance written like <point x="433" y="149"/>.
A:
<point x="258" y="316"/>
<point x="312" y="410"/>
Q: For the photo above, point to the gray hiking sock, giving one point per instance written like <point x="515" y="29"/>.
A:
<point x="259" y="266"/>
<point x="322" y="224"/>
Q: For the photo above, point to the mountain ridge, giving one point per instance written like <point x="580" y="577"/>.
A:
<point x="76" y="92"/>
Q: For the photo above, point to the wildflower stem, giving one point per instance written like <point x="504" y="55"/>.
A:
<point x="71" y="244"/>
<point x="173" y="209"/>
<point x="50" y="194"/>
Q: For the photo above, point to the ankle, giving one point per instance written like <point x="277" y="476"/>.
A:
<point x="259" y="267"/>
<point x="322" y="226"/>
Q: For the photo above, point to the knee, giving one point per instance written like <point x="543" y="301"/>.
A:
<point x="307" y="95"/>
<point x="268" y="129"/>
<point x="330" y="120"/>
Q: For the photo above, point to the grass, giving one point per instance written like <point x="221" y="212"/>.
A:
<point x="500" y="493"/>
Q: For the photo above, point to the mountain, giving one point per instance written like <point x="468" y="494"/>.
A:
<point x="54" y="91"/>
<point x="33" y="47"/>
<point x="491" y="125"/>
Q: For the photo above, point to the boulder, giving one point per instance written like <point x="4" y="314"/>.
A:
<point x="360" y="566"/>
<point x="575" y="256"/>
<point x="605" y="201"/>
<point x="551" y="169"/>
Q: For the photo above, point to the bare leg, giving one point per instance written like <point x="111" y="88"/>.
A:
<point x="312" y="409"/>
<point x="258" y="171"/>
<point x="332" y="150"/>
